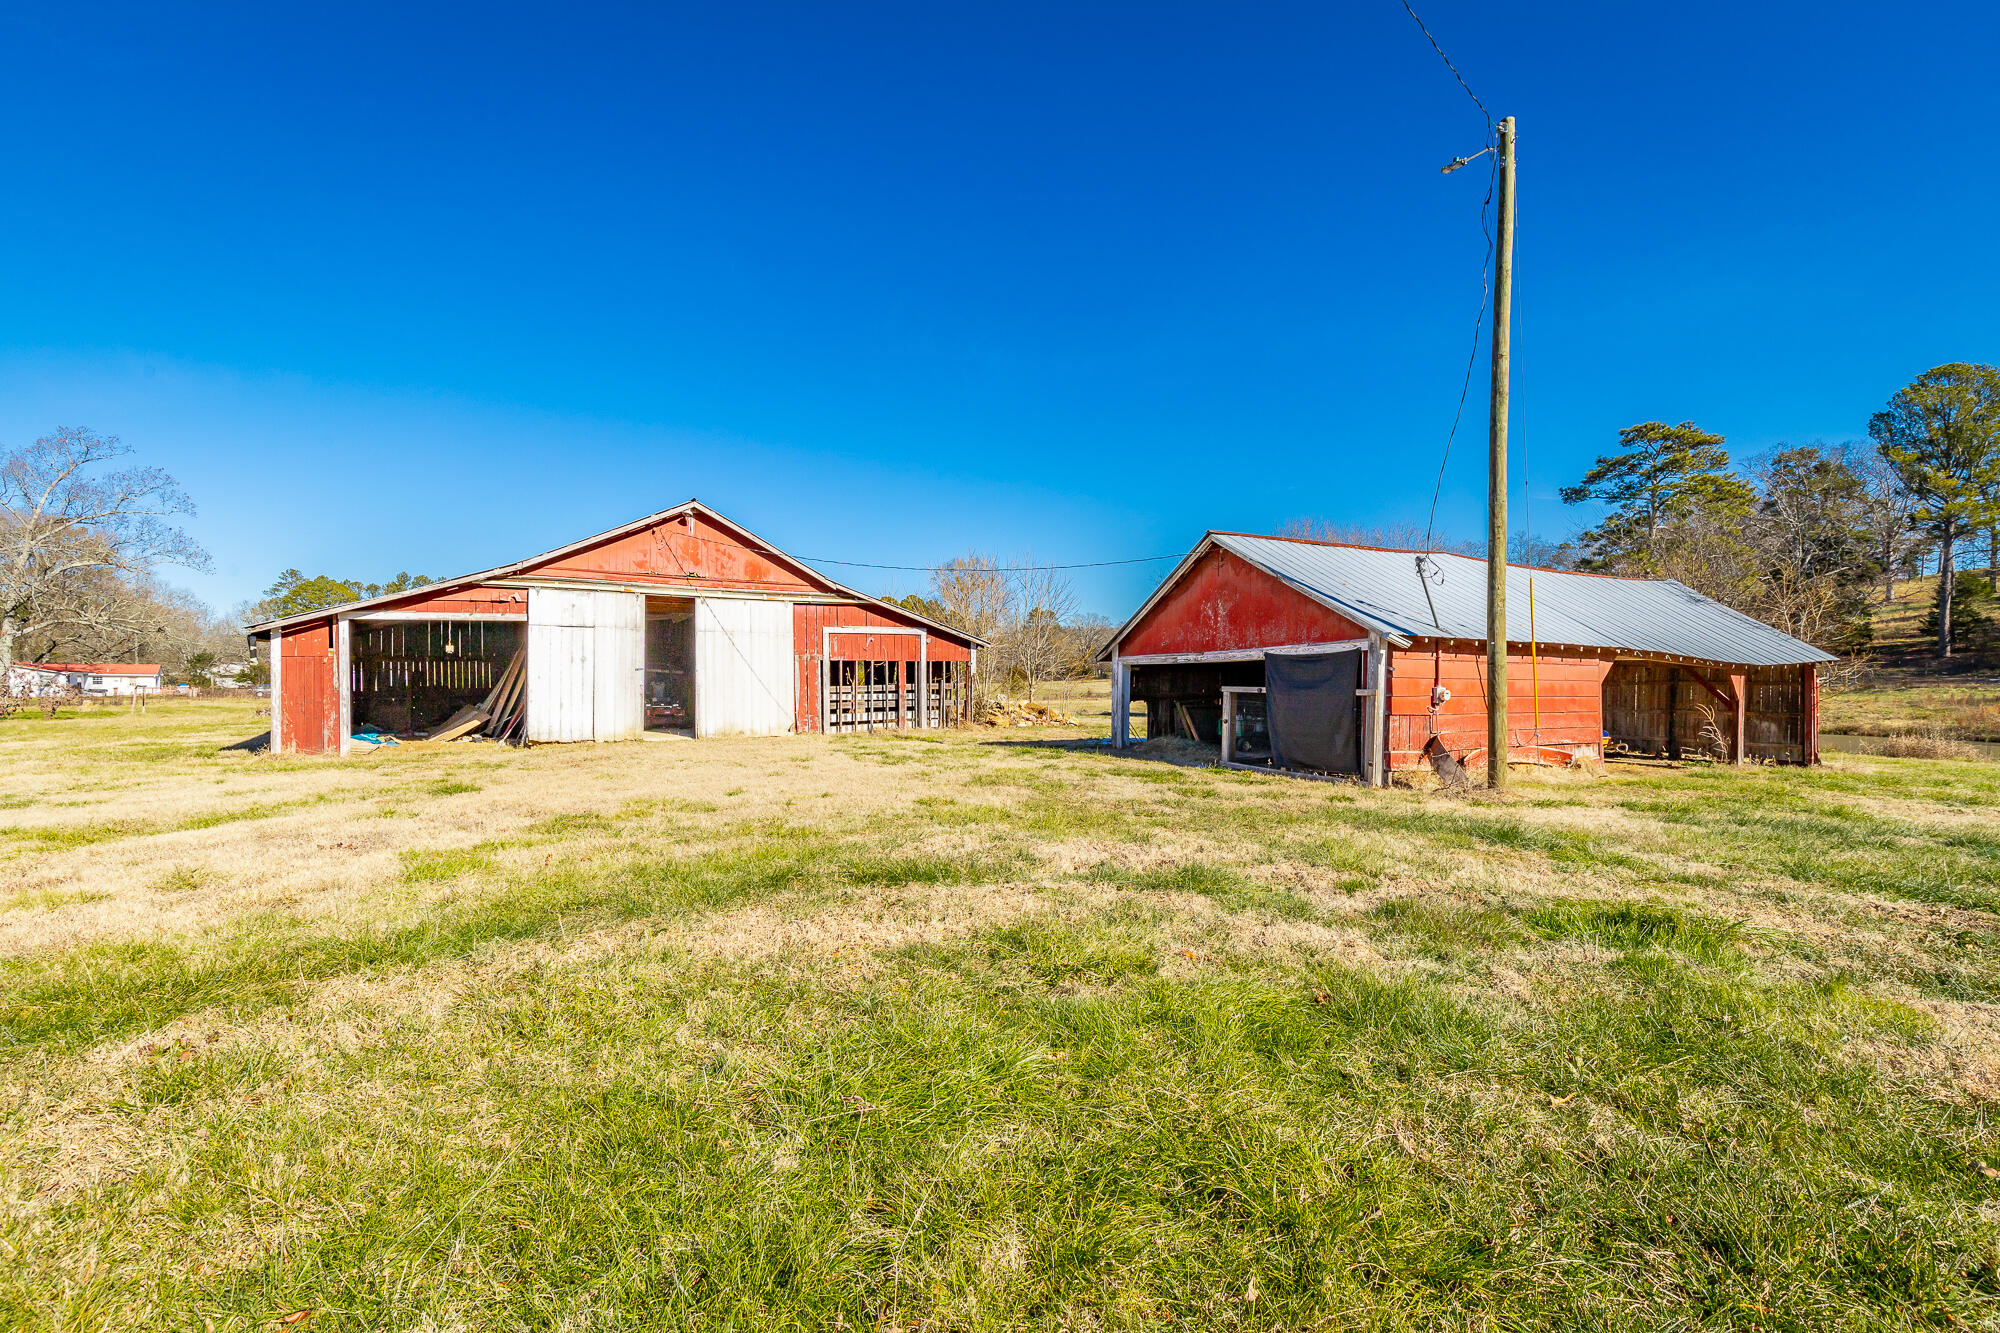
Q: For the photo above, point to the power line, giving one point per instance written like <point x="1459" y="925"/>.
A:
<point x="994" y="569"/>
<point x="1448" y="65"/>
<point x="1472" y="353"/>
<point x="1485" y="267"/>
<point x="924" y="569"/>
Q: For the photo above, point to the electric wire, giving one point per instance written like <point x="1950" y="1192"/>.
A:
<point x="1485" y="268"/>
<point x="1448" y="65"/>
<point x="930" y="569"/>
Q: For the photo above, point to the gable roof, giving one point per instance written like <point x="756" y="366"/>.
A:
<point x="612" y="534"/>
<point x="1382" y="590"/>
<point x="96" y="668"/>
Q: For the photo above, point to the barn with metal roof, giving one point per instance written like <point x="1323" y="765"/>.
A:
<point x="1358" y="660"/>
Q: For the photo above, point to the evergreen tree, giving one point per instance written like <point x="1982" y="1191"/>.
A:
<point x="1942" y="436"/>
<point x="1665" y="476"/>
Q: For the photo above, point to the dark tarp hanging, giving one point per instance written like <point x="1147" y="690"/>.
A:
<point x="1313" y="711"/>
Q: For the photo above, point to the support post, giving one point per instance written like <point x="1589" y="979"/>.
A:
<point x="1496" y="474"/>
<point x="343" y="655"/>
<point x="1377" y="705"/>
<point x="1739" y="682"/>
<point x="1121" y="704"/>
<point x="277" y="686"/>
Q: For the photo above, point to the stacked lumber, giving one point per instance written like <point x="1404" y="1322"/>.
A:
<point x="499" y="714"/>
<point x="1018" y="713"/>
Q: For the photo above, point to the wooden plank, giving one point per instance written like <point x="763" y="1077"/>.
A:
<point x="462" y="723"/>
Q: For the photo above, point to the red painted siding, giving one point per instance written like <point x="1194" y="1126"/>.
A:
<point x="687" y="550"/>
<point x="1571" y="697"/>
<point x="809" y="619"/>
<point x="309" y="690"/>
<point x="507" y="603"/>
<point x="1227" y="603"/>
<point x="690" y="551"/>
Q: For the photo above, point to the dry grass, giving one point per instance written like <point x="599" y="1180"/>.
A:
<point x="983" y="1031"/>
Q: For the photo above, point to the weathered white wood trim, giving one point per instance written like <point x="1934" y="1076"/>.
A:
<point x="828" y="631"/>
<point x="826" y="634"/>
<point x="277" y="685"/>
<point x="1242" y="654"/>
<point x="1374" y="731"/>
<point x="344" y="682"/>
<point x="1229" y="693"/>
<point x="1121" y="703"/>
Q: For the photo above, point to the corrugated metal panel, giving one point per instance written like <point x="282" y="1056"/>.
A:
<point x="1646" y="616"/>
<point x="585" y="648"/>
<point x="744" y="675"/>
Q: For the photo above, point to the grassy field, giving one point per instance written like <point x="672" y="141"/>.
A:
<point x="1904" y="694"/>
<point x="983" y="1031"/>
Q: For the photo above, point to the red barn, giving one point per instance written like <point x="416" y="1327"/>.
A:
<point x="1349" y="659"/>
<point x="679" y="621"/>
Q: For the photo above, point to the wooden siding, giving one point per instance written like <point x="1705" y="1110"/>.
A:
<point x="1662" y="708"/>
<point x="1570" y="694"/>
<point x="744" y="681"/>
<point x="309" y="692"/>
<point x="684" y="551"/>
<point x="1224" y="603"/>
<point x="585" y="653"/>
<point x="810" y="619"/>
<point x="500" y="603"/>
<point x="687" y="549"/>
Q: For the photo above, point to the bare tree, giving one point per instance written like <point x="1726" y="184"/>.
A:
<point x="1392" y="536"/>
<point x="1040" y="640"/>
<point x="1523" y="548"/>
<point x="1893" y="539"/>
<point x="72" y="534"/>
<point x="975" y="595"/>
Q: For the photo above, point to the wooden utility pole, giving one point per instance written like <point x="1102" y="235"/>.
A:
<point x="1496" y="475"/>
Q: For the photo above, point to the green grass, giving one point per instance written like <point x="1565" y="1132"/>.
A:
<point x="1014" y="1042"/>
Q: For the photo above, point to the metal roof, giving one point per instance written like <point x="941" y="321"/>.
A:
<point x="1383" y="591"/>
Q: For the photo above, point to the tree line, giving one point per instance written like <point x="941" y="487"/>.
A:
<point x="1802" y="537"/>
<point x="1027" y="614"/>
<point x="1807" y="533"/>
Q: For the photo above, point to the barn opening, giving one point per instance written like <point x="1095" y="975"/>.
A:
<point x="669" y="665"/>
<point x="879" y="678"/>
<point x="408" y="676"/>
<point x="1683" y="711"/>
<point x="1185" y="699"/>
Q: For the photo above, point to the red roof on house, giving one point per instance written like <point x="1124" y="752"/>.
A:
<point x="97" y="668"/>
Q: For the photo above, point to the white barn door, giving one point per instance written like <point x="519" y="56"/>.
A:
<point x="586" y="652"/>
<point x="746" y="680"/>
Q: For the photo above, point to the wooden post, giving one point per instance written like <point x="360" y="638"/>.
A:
<point x="277" y="685"/>
<point x="1738" y="689"/>
<point x="1374" y="731"/>
<point x="1121" y="704"/>
<point x="1496" y="474"/>
<point x="343" y="670"/>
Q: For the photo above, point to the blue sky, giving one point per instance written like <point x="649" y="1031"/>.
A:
<point x="393" y="290"/>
